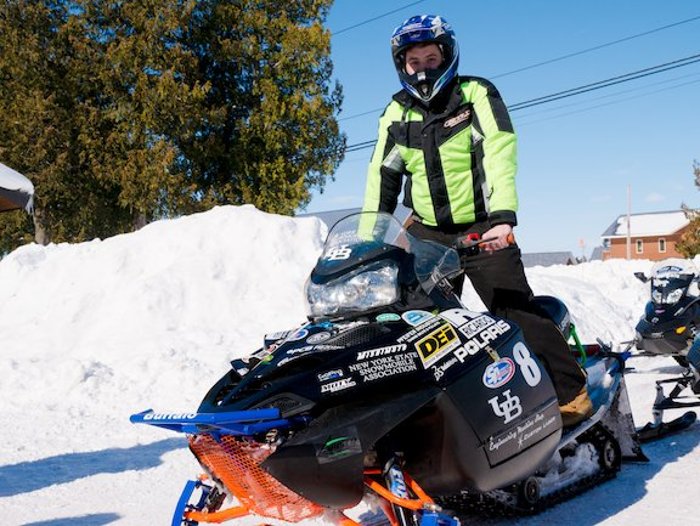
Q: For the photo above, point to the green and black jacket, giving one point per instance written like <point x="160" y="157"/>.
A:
<point x="459" y="164"/>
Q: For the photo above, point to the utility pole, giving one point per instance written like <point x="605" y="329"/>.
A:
<point x="629" y="221"/>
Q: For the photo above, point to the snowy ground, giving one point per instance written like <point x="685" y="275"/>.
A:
<point x="94" y="332"/>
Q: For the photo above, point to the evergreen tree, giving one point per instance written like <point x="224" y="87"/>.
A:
<point x="123" y="112"/>
<point x="269" y="134"/>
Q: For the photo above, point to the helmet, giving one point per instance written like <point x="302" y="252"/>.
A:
<point x="425" y="85"/>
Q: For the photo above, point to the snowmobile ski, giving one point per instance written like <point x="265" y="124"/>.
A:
<point x="653" y="431"/>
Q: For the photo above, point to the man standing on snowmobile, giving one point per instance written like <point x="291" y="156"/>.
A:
<point x="451" y="136"/>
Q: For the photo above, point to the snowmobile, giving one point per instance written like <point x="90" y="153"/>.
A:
<point x="394" y="404"/>
<point x="668" y="327"/>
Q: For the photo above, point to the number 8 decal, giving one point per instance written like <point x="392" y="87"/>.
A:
<point x="528" y="366"/>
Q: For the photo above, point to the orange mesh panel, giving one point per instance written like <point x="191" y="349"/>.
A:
<point x="236" y="463"/>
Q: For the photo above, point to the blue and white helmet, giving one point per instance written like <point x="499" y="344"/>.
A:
<point x="425" y="85"/>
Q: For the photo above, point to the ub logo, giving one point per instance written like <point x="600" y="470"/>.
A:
<point x="509" y="408"/>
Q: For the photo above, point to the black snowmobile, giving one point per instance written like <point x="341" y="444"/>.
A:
<point x="394" y="403"/>
<point x="670" y="322"/>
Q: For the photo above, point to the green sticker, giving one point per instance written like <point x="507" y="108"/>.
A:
<point x="388" y="316"/>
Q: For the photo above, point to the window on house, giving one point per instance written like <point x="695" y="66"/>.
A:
<point x="640" y="246"/>
<point x="606" y="243"/>
<point x="662" y="245"/>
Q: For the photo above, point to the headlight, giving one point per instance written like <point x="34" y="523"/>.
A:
<point x="673" y="296"/>
<point x="661" y="297"/>
<point x="365" y="289"/>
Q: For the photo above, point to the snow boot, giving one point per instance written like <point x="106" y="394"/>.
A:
<point x="578" y="409"/>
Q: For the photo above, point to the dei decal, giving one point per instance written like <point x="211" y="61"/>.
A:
<point x="437" y="344"/>
<point x="499" y="373"/>
<point x="385" y="366"/>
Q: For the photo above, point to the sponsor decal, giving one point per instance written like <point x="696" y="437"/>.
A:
<point x="533" y="427"/>
<point x="437" y="344"/>
<point x="318" y="337"/>
<point x="499" y="373"/>
<point x="382" y="351"/>
<point x="508" y="409"/>
<point x="481" y="340"/>
<point x="454" y="121"/>
<point x="301" y="350"/>
<point x="286" y="360"/>
<point x="459" y="317"/>
<point x="388" y="316"/>
<point x="439" y="370"/>
<point x="169" y="416"/>
<point x="385" y="366"/>
<point x="416" y="317"/>
<point x="339" y="253"/>
<point x="536" y="427"/>
<point x="324" y="347"/>
<point x="298" y="335"/>
<point x="421" y="330"/>
<point x="475" y="326"/>
<point x="339" y="385"/>
<point x="330" y="375"/>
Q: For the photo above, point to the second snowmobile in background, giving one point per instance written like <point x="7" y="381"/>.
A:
<point x="394" y="400"/>
<point x="670" y="323"/>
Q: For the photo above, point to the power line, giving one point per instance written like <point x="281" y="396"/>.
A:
<point x="590" y="108"/>
<point x="335" y="33"/>
<point x="605" y="83"/>
<point x="595" y="48"/>
<point x="557" y="59"/>
<point x="660" y="68"/>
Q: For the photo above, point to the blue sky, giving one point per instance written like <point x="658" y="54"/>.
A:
<point x="577" y="156"/>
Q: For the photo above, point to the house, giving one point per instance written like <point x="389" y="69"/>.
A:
<point x="652" y="235"/>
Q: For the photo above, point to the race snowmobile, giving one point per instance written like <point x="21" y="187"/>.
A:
<point x="668" y="327"/>
<point x="394" y="403"/>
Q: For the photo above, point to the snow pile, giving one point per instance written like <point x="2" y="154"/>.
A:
<point x="93" y="332"/>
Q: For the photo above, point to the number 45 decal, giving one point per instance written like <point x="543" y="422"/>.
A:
<point x="528" y="367"/>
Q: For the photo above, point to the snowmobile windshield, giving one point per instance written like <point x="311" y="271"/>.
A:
<point x="358" y="271"/>
<point x="670" y="281"/>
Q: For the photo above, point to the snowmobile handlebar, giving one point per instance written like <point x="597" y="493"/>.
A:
<point x="471" y="243"/>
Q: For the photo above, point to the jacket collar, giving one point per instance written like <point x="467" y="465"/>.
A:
<point x="444" y="105"/>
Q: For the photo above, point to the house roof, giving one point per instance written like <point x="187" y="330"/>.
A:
<point x="597" y="254"/>
<point x="547" y="259"/>
<point x="649" y="224"/>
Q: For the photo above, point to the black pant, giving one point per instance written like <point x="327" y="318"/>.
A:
<point x="499" y="280"/>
